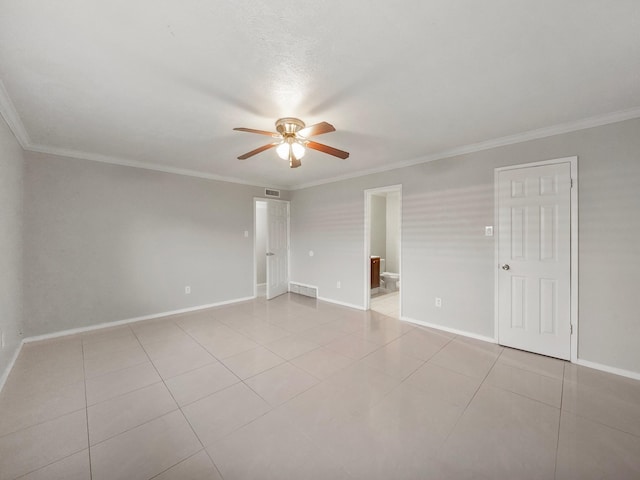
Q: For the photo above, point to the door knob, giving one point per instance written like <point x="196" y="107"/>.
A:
<point x="269" y="254"/>
<point x="506" y="266"/>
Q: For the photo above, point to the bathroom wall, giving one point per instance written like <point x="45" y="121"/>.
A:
<point x="378" y="226"/>
<point x="261" y="243"/>
<point x="11" y="246"/>
<point x="393" y="233"/>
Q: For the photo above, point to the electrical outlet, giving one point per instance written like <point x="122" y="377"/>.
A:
<point x="438" y="302"/>
<point x="338" y="285"/>
<point x="246" y="234"/>
<point x="187" y="290"/>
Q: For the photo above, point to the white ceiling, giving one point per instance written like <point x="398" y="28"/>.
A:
<point x="161" y="83"/>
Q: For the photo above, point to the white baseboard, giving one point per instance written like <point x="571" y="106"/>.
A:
<point x="100" y="326"/>
<point x="450" y="330"/>
<point x="580" y="361"/>
<point x="7" y="371"/>
<point x="608" y="369"/>
<point x="343" y="304"/>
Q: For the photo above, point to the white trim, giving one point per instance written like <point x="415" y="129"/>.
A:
<point x="368" y="193"/>
<point x="10" y="115"/>
<point x="568" y="127"/>
<point x="260" y="284"/>
<point x="100" y="326"/>
<point x="608" y="369"/>
<point x="575" y="251"/>
<point x="95" y="157"/>
<point x="343" y="304"/>
<point x="573" y="163"/>
<point x="449" y="330"/>
<point x="255" y="257"/>
<point x="12" y="362"/>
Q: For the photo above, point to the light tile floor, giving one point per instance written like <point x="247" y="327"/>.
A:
<point x="387" y="303"/>
<point x="299" y="389"/>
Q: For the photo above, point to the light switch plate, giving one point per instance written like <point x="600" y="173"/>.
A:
<point x="488" y="231"/>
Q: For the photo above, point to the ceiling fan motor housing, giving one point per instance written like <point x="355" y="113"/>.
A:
<point x="289" y="126"/>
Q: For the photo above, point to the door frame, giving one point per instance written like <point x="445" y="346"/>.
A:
<point x="255" y="225"/>
<point x="367" y="241"/>
<point x="573" y="276"/>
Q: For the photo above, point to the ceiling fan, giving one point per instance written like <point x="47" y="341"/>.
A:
<point x="293" y="139"/>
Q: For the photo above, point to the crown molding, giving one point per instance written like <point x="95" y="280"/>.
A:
<point x="10" y="115"/>
<point x="544" y="132"/>
<point x="63" y="152"/>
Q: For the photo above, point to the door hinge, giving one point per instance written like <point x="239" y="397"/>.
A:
<point x="572" y="183"/>
<point x="571" y="328"/>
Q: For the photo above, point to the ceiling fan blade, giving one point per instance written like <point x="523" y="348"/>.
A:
<point x="293" y="161"/>
<point x="261" y="132"/>
<point x="327" y="149"/>
<point x="258" y="150"/>
<point x="317" y="129"/>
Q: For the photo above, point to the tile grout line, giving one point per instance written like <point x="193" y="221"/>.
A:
<point x="204" y="448"/>
<point x="86" y="409"/>
<point x="471" y="399"/>
<point x="178" y="408"/>
<point x="58" y="417"/>
<point x="181" y="406"/>
<point x="555" y="464"/>
<point x="424" y="362"/>
<point x="240" y="380"/>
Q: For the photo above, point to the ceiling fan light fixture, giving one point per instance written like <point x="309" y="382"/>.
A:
<point x="283" y="151"/>
<point x="290" y="144"/>
<point x="293" y="140"/>
<point x="298" y="150"/>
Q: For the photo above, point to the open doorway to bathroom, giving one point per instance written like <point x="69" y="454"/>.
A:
<point x="383" y="213"/>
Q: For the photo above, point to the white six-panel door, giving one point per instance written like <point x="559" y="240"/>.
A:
<point x="277" y="248"/>
<point x="534" y="254"/>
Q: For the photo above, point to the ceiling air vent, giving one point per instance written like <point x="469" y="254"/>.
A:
<point x="268" y="192"/>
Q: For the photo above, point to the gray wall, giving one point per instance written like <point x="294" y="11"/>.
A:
<point x="378" y="226"/>
<point x="108" y="242"/>
<point x="11" y="231"/>
<point x="446" y="205"/>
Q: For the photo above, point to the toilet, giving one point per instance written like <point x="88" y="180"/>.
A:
<point x="390" y="280"/>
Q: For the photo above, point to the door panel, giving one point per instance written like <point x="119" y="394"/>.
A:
<point x="277" y="248"/>
<point x="534" y="251"/>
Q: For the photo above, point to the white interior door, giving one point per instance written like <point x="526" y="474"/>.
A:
<point x="534" y="253"/>
<point x="277" y="248"/>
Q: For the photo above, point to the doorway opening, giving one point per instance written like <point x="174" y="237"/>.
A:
<point x="383" y="221"/>
<point x="271" y="248"/>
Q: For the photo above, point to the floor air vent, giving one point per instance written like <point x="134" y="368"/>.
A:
<point x="306" y="290"/>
